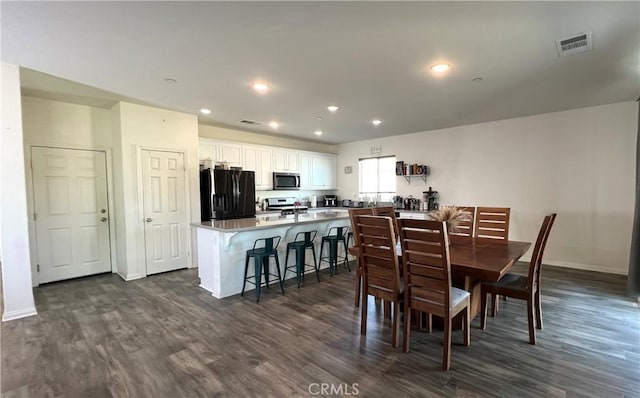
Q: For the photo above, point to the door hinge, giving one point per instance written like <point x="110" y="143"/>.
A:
<point x="34" y="216"/>
<point x="38" y="267"/>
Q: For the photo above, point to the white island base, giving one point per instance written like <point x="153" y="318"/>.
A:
<point x="223" y="245"/>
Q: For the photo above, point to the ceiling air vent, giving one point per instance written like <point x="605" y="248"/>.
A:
<point x="574" y="44"/>
<point x="249" y="122"/>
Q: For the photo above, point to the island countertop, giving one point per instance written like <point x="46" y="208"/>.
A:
<point x="270" y="221"/>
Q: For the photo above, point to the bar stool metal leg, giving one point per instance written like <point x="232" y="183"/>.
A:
<point x="246" y="268"/>
<point x="257" y="261"/>
<point x="279" y="274"/>
<point x="315" y="263"/>
<point x="299" y="263"/>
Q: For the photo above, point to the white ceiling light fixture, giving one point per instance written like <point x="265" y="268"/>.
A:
<point x="205" y="111"/>
<point x="318" y="132"/>
<point x="376" y="122"/>
<point x="333" y="108"/>
<point x="439" y="68"/>
<point x="274" y="125"/>
<point x="261" y="87"/>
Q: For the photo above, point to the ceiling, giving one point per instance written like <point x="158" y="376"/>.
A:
<point x="371" y="59"/>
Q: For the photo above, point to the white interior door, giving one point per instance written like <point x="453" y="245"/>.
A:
<point x="71" y="213"/>
<point x="165" y="211"/>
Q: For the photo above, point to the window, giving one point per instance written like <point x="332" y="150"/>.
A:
<point x="378" y="178"/>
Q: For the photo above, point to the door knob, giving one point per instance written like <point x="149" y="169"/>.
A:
<point x="148" y="220"/>
<point x="103" y="219"/>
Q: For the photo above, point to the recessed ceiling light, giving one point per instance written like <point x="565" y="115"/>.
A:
<point x="333" y="108"/>
<point x="274" y="125"/>
<point x="476" y="79"/>
<point x="261" y="87"/>
<point x="319" y="117"/>
<point x="170" y="80"/>
<point x="376" y="122"/>
<point x="439" y="68"/>
<point x="318" y="132"/>
<point x="205" y="111"/>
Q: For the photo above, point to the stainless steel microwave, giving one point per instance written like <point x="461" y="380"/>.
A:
<point x="286" y="181"/>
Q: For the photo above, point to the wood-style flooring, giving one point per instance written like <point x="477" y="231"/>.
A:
<point x="163" y="336"/>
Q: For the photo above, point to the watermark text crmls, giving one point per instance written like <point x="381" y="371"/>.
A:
<point x="341" y="389"/>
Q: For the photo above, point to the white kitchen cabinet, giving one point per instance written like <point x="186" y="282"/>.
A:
<point x="231" y="153"/>
<point x="285" y="160"/>
<point x="317" y="170"/>
<point x="305" y="171"/>
<point x="208" y="150"/>
<point x="259" y="160"/>
<point x="265" y="168"/>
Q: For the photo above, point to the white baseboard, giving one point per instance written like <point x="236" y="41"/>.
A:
<point x="133" y="277"/>
<point x="584" y="267"/>
<point x="23" y="313"/>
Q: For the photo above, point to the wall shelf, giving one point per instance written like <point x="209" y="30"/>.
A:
<point x="408" y="171"/>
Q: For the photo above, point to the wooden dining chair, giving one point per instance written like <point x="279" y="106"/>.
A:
<point x="380" y="268"/>
<point x="522" y="287"/>
<point x="387" y="211"/>
<point x="465" y="227"/>
<point x="427" y="272"/>
<point x="355" y="251"/>
<point x="492" y="223"/>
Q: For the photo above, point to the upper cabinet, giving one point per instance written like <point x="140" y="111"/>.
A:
<point x="265" y="168"/>
<point x="317" y="170"/>
<point x="231" y="153"/>
<point x="209" y="150"/>
<point x="285" y="160"/>
<point x="259" y="160"/>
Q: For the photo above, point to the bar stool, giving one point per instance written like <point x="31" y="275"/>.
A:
<point x="335" y="235"/>
<point x="302" y="242"/>
<point x="261" y="255"/>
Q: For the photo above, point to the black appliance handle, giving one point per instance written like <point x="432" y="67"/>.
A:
<point x="236" y="192"/>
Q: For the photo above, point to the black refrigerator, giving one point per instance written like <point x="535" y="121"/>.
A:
<point x="226" y="194"/>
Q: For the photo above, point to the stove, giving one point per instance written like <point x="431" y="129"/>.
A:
<point x="286" y="206"/>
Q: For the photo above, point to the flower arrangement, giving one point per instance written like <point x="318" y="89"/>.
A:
<point x="452" y="215"/>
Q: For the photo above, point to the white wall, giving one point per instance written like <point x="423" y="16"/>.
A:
<point x="14" y="236"/>
<point x="120" y="130"/>
<point x="143" y="127"/>
<point x="48" y="122"/>
<point x="579" y="163"/>
<point x="222" y="133"/>
<point x="60" y="124"/>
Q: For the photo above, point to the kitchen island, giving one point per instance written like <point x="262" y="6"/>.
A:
<point x="223" y="244"/>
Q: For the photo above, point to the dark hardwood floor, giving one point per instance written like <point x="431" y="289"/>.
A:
<point x="163" y="336"/>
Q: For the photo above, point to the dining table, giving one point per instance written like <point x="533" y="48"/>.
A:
<point x="474" y="260"/>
